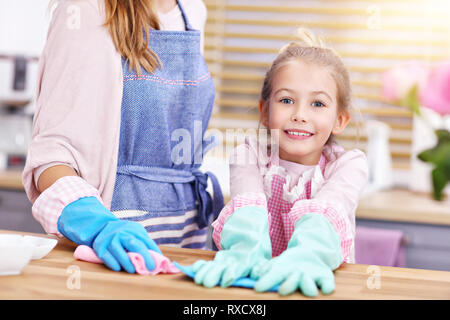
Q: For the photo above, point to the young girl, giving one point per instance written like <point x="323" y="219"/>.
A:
<point x="117" y="79"/>
<point x="297" y="202"/>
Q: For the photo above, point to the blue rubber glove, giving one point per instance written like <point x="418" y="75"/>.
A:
<point x="245" y="244"/>
<point x="86" y="221"/>
<point x="313" y="252"/>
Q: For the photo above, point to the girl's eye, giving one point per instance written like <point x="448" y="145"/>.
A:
<point x="286" y="101"/>
<point x="318" y="104"/>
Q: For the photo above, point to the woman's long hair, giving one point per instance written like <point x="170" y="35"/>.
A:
<point x="127" y="20"/>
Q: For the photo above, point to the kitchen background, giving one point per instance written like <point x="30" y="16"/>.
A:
<point x="382" y="42"/>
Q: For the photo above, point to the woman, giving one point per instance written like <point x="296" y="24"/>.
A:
<point x="104" y="168"/>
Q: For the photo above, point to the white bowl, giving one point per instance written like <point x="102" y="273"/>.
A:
<point x="15" y="253"/>
<point x="42" y="246"/>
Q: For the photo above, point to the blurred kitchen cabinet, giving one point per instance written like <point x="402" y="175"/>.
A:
<point x="15" y="212"/>
<point x="427" y="246"/>
<point x="425" y="224"/>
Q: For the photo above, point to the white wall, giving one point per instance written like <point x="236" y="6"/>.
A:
<point x="23" y="30"/>
<point x="23" y="26"/>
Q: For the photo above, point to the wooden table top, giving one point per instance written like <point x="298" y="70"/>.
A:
<point x="403" y="205"/>
<point x="50" y="278"/>
<point x="11" y="179"/>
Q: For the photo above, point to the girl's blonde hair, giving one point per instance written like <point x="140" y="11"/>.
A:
<point x="311" y="50"/>
<point x="127" y="20"/>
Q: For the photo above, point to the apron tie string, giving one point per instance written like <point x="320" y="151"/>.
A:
<point x="207" y="206"/>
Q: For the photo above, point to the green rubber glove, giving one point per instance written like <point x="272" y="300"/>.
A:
<point x="313" y="252"/>
<point x="245" y="244"/>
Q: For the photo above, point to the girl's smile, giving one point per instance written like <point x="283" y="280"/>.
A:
<point x="298" y="134"/>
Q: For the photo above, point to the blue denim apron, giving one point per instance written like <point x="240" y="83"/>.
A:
<point x="164" y="116"/>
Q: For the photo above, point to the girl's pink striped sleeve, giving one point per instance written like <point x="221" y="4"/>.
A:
<point x="246" y="184"/>
<point x="339" y="222"/>
<point x="49" y="205"/>
<point x="239" y="201"/>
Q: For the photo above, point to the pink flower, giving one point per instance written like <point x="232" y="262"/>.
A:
<point x="435" y="94"/>
<point x="398" y="81"/>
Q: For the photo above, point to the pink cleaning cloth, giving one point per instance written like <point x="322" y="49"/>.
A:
<point x="162" y="263"/>
<point x="380" y="247"/>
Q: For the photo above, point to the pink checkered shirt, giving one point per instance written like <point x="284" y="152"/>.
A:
<point x="49" y="205"/>
<point x="284" y="212"/>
